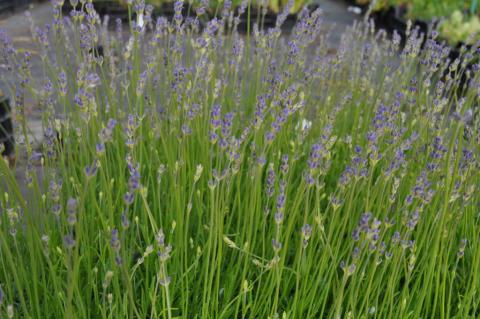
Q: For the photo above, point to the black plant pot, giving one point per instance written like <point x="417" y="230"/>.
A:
<point x="264" y="21"/>
<point x="454" y="54"/>
<point x="167" y="10"/>
<point x="9" y="6"/>
<point x="112" y="8"/>
<point x="269" y="20"/>
<point x="391" y="20"/>
<point x="363" y="7"/>
<point x="6" y="6"/>
<point x="6" y="128"/>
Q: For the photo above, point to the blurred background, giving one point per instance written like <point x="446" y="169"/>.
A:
<point x="457" y="20"/>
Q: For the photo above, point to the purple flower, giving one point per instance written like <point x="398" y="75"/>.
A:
<point x="281" y="197"/>
<point x="56" y="209"/>
<point x="142" y="81"/>
<point x="86" y="37"/>
<point x="227" y="124"/>
<point x="372" y="137"/>
<point x="335" y="201"/>
<point x="36" y="156"/>
<point x="260" y="111"/>
<point x="100" y="148"/>
<point x="356" y="234"/>
<point x="177" y="7"/>
<point x="165" y="281"/>
<point x="226" y="8"/>
<point x="91" y="170"/>
<point x="212" y="27"/>
<point x="213" y="137"/>
<point x="356" y="253"/>
<point x="114" y="241"/>
<point x="270" y="136"/>
<point x="72" y="205"/>
<point x="68" y="241"/>
<point x="186" y="130"/>
<point x="348" y="270"/>
<point x="364" y="221"/>
<point x="278" y="218"/>
<point x="128" y="198"/>
<point x="200" y="10"/>
<point x="111" y="124"/>
<point x="92" y="80"/>
<point x="276" y="245"/>
<point x="306" y="234"/>
<point x="48" y="87"/>
<point x="396" y="237"/>
<point x="78" y="100"/>
<point x="284" y="164"/>
<point x="215" y="121"/>
<point x="314" y="158"/>
<point x="134" y="180"/>
<point x="270" y="188"/>
<point x="62" y="82"/>
<point x="309" y="179"/>
<point x="409" y="200"/>
<point x="139" y="5"/>
<point x="118" y="259"/>
<point x="125" y="221"/>
<point x="413" y="220"/>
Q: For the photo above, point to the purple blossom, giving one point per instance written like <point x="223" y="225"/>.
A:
<point x="62" y="82"/>
<point x="139" y="6"/>
<point x="276" y="245"/>
<point x="413" y="220"/>
<point x="281" y="197"/>
<point x="279" y="216"/>
<point x="134" y="180"/>
<point x="227" y="124"/>
<point x="215" y="121"/>
<point x="306" y="234"/>
<point x="177" y="7"/>
<point x="186" y="130"/>
<point x="125" y="221"/>
<point x="128" y="198"/>
<point x="165" y="281"/>
<point x="114" y="241"/>
<point x="270" y="188"/>
<point x="72" y="206"/>
<point x="396" y="238"/>
<point x="92" y="80"/>
<point x="69" y="241"/>
<point x="314" y="158"/>
<point x="348" y="269"/>
<point x="91" y="170"/>
<point x="284" y="164"/>
<point x="100" y="148"/>
<point x="200" y="10"/>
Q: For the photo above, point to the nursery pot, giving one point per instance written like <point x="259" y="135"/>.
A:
<point x="6" y="5"/>
<point x="6" y="128"/>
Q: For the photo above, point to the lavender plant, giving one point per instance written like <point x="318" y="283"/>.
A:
<point x="193" y="172"/>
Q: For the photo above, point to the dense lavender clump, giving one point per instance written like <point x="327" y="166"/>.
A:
<point x="190" y="171"/>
